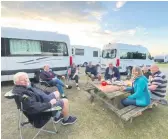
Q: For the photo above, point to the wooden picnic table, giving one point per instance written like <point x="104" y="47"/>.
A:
<point x="110" y="95"/>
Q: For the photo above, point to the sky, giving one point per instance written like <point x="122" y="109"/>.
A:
<point x="94" y="23"/>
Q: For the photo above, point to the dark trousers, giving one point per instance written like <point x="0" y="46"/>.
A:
<point x="76" y="78"/>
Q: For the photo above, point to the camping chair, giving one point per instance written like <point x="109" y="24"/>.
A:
<point x="34" y="124"/>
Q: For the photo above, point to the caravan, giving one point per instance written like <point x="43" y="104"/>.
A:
<point x="28" y="51"/>
<point x="161" y="58"/>
<point x="83" y="54"/>
<point x="125" y="56"/>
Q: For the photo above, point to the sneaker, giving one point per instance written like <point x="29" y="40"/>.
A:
<point x="71" y="120"/>
<point x="78" y="88"/>
<point x="63" y="96"/>
<point x="56" y="120"/>
<point x="69" y="87"/>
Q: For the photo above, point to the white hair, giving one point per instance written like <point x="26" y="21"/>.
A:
<point x="17" y="76"/>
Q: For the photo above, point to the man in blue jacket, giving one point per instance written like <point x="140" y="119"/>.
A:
<point x="93" y="72"/>
<point x="112" y="73"/>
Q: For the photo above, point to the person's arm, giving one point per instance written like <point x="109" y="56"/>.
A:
<point x="117" y="73"/>
<point x="76" y="73"/>
<point x="138" y="92"/>
<point x="31" y="106"/>
<point x="106" y="73"/>
<point x="86" y="70"/>
<point x="155" y="83"/>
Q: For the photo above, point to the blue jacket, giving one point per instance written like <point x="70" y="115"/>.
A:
<point x="47" y="76"/>
<point x="141" y="93"/>
<point x="92" y="70"/>
<point x="116" y="74"/>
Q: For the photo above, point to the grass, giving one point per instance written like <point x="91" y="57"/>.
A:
<point x="95" y="121"/>
<point x="163" y="65"/>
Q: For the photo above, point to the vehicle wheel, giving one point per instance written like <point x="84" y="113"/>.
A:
<point x="37" y="77"/>
<point x="85" y="64"/>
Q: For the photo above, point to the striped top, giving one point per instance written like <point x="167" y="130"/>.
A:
<point x="159" y="79"/>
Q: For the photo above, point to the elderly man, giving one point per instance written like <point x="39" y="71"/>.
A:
<point x="112" y="73"/>
<point x="93" y="71"/>
<point x="38" y="101"/>
<point x="51" y="78"/>
<point x="158" y="85"/>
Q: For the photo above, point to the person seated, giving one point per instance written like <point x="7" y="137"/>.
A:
<point x="73" y="74"/>
<point x="158" y="85"/>
<point x="112" y="73"/>
<point x="146" y="72"/>
<point x="141" y="94"/>
<point x="51" y="78"/>
<point x="93" y="72"/>
<point x="37" y="101"/>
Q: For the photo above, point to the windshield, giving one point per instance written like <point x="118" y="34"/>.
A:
<point x="109" y="53"/>
<point x="125" y="54"/>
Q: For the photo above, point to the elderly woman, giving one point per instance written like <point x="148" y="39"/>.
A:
<point x="141" y="95"/>
<point x="73" y="74"/>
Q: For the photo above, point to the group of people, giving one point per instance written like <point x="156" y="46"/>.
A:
<point x="145" y="85"/>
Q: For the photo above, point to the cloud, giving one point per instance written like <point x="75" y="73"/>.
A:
<point x="68" y="11"/>
<point x="119" y="4"/>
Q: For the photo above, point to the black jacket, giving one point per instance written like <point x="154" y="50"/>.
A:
<point x="47" y="76"/>
<point x="116" y="73"/>
<point x="33" y="106"/>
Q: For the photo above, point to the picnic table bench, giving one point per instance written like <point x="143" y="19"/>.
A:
<point x="112" y="98"/>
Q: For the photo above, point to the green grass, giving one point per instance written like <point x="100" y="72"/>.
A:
<point x="163" y="65"/>
<point x="95" y="121"/>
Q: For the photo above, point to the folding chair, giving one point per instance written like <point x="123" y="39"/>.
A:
<point x="32" y="124"/>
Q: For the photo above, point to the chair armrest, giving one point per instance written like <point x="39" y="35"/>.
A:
<point x="55" y="108"/>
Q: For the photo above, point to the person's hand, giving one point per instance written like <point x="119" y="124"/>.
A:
<point x="53" y="101"/>
<point x="122" y="88"/>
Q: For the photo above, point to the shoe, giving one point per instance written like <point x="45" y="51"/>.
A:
<point x="57" y="120"/>
<point x="69" y="87"/>
<point x="63" y="97"/>
<point x="71" y="120"/>
<point x="78" y="88"/>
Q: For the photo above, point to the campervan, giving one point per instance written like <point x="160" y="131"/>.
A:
<point x="82" y="55"/>
<point x="28" y="51"/>
<point x="125" y="56"/>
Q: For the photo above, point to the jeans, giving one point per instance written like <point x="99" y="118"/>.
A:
<point x="127" y="102"/>
<point x="58" y="83"/>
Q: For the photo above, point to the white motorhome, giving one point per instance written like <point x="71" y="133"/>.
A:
<point x="83" y="54"/>
<point x="161" y="58"/>
<point x="28" y="51"/>
<point x="125" y="56"/>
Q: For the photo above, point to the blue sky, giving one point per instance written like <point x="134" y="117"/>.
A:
<point x="95" y="23"/>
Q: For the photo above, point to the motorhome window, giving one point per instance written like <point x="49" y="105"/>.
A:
<point x="24" y="47"/>
<point x="79" y="52"/>
<point x="54" y="48"/>
<point x="2" y="47"/>
<point x="124" y="54"/>
<point x="95" y="53"/>
<point x="109" y="53"/>
<point x="149" y="56"/>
